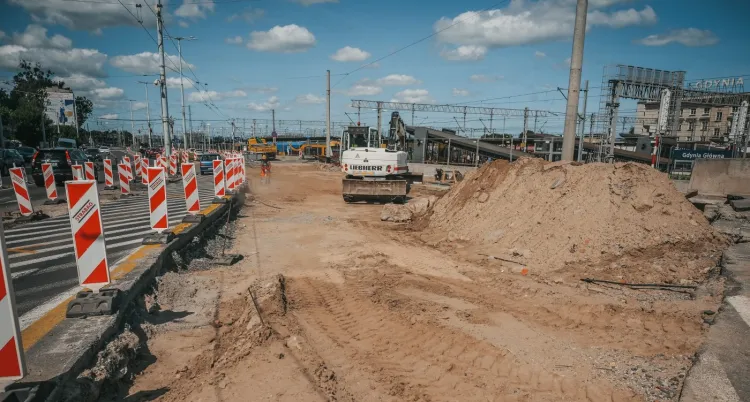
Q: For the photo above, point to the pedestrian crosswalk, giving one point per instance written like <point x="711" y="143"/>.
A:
<point x="41" y="253"/>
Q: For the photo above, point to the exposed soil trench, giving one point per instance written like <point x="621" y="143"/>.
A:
<point x="355" y="309"/>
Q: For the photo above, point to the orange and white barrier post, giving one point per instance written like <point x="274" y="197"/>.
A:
<point x="12" y="360"/>
<point x="22" y="192"/>
<point x="49" y="184"/>
<point x="219" y="186"/>
<point x="157" y="199"/>
<point x="230" y="174"/>
<point x="89" y="170"/>
<point x="190" y="185"/>
<point x="122" y="172"/>
<point x="163" y="162"/>
<point x="77" y="172"/>
<point x="88" y="233"/>
<point x="137" y="161"/>
<point x="109" y="179"/>
<point x="144" y="171"/>
<point x="129" y="169"/>
<point x="173" y="164"/>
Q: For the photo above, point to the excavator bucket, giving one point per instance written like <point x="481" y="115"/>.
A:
<point x="374" y="190"/>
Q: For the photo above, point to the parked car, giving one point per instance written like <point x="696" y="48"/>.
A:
<point x="61" y="159"/>
<point x="95" y="154"/>
<point x="10" y="157"/>
<point x="206" y="163"/>
<point x="104" y="149"/>
<point x="27" y="153"/>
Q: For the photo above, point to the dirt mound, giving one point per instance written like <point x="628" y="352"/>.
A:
<point x="621" y="221"/>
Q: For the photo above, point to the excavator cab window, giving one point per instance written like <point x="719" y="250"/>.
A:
<point x="359" y="141"/>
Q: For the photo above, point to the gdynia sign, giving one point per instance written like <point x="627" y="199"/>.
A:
<point x="717" y="84"/>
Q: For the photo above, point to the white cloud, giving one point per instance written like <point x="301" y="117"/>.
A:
<point x="271" y="103"/>
<point x="349" y="53"/>
<point x="485" y="78"/>
<point x="524" y="22"/>
<point x="540" y="55"/>
<point x="283" y="39"/>
<point x="80" y="82"/>
<point x="139" y="105"/>
<point x="145" y="62"/>
<point x="86" y="16"/>
<point x="567" y="62"/>
<point x="174" y="82"/>
<point x="310" y="99"/>
<point x="263" y="90"/>
<point x="397" y="80"/>
<point x="194" y="10"/>
<point x="110" y="116"/>
<point x="183" y="24"/>
<point x="465" y="53"/>
<point x="108" y="93"/>
<point x="460" y="92"/>
<point x="237" y="40"/>
<point x="205" y="96"/>
<point x="692" y="37"/>
<point x="249" y="15"/>
<point x="35" y="36"/>
<point x="311" y="2"/>
<point x="364" y="90"/>
<point x="66" y="62"/>
<point x="414" y="96"/>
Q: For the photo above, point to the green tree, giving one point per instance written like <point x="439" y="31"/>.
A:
<point x="84" y="108"/>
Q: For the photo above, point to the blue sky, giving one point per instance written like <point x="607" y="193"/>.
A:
<point x="253" y="56"/>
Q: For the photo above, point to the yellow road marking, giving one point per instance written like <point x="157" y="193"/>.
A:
<point x="22" y="250"/>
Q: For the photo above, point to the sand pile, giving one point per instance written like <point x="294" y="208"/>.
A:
<point x="621" y="221"/>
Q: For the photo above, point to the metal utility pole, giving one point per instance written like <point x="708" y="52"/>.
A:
<point x="209" y="135"/>
<point x="525" y="126"/>
<point x="583" y="121"/>
<point x="2" y="134"/>
<point x="163" y="83"/>
<point x="179" y="40"/>
<point x="574" y="82"/>
<point x="273" y="123"/>
<point x="75" y="118"/>
<point x="148" y="112"/>
<point x="253" y="128"/>
<point x="132" y="125"/>
<point x="380" y="119"/>
<point x="190" y="120"/>
<point x="329" y="153"/>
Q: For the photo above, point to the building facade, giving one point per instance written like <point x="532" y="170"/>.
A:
<point x="698" y="122"/>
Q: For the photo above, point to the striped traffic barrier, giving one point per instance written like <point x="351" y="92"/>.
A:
<point x="219" y="186"/>
<point x="157" y="199"/>
<point x="122" y="172"/>
<point x="230" y="175"/>
<point x="88" y="168"/>
<point x="137" y="162"/>
<point x="22" y="192"/>
<point x="129" y="169"/>
<point x="88" y="233"/>
<point x="163" y="162"/>
<point x="12" y="360"/>
<point x="109" y="179"/>
<point x="190" y="185"/>
<point x="144" y="171"/>
<point x="173" y="164"/>
<point x="49" y="184"/>
<point x="77" y="172"/>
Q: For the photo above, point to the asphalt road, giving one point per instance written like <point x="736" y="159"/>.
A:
<point x="40" y="253"/>
<point x="8" y="202"/>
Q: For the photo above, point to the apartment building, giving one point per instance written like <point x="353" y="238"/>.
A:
<point x="698" y="122"/>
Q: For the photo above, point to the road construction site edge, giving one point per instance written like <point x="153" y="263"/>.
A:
<point x="58" y="349"/>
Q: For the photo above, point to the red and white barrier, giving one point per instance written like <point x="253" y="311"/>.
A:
<point x="137" y="161"/>
<point x="49" y="181"/>
<point x="12" y="361"/>
<point x="219" y="186"/>
<point x="144" y="171"/>
<point x="122" y="172"/>
<point x="88" y="168"/>
<point x="190" y="185"/>
<point x="230" y="174"/>
<point x="109" y="180"/>
<point x="163" y="162"/>
<point x="157" y="199"/>
<point x="22" y="192"/>
<point x="173" y="164"/>
<point x="88" y="233"/>
<point x="77" y="172"/>
<point x="129" y="169"/>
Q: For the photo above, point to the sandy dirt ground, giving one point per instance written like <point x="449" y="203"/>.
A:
<point x="355" y="309"/>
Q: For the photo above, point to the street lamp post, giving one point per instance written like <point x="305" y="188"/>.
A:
<point x="179" y="40"/>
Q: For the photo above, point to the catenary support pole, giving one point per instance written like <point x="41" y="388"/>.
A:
<point x="583" y="121"/>
<point x="574" y="81"/>
<point x="328" y="114"/>
<point x="163" y="83"/>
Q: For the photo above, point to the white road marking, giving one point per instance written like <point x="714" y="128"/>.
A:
<point x="742" y="305"/>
